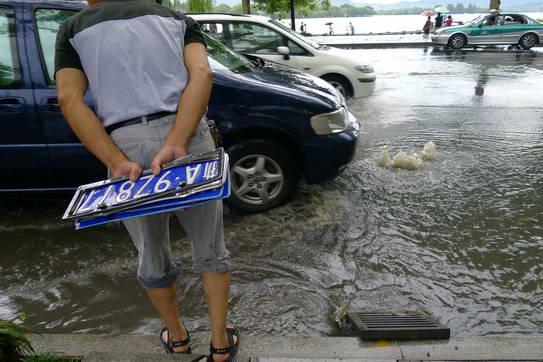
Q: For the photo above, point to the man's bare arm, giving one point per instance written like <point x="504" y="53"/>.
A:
<point x="192" y="105"/>
<point x="71" y="87"/>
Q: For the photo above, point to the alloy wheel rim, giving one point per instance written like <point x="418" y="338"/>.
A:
<point x="339" y="87"/>
<point x="529" y="40"/>
<point x="457" y="41"/>
<point x="257" y="179"/>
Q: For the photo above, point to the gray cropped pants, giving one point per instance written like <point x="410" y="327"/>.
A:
<point x="150" y="234"/>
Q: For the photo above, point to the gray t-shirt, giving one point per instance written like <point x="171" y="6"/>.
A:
<point x="132" y="54"/>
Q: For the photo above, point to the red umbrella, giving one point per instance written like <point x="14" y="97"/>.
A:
<point x="427" y="13"/>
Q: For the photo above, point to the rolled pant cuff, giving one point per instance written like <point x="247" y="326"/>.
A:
<point x="162" y="282"/>
<point x="212" y="266"/>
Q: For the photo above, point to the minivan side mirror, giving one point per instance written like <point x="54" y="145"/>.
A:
<point x="284" y="51"/>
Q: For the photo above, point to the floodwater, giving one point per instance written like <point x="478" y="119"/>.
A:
<point x="460" y="238"/>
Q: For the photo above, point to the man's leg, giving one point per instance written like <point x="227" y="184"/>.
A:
<point x="150" y="234"/>
<point x="204" y="226"/>
<point x="165" y="301"/>
<point x="217" y="292"/>
<point x="156" y="272"/>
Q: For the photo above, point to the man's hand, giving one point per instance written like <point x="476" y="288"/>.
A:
<point x="126" y="168"/>
<point x="165" y="155"/>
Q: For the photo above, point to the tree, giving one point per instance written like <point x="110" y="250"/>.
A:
<point x="200" y="6"/>
<point x="275" y="6"/>
<point x="246" y="6"/>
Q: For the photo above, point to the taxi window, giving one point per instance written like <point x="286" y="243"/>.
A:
<point x="10" y="71"/>
<point x="48" y="22"/>
<point x="258" y="39"/>
<point x="254" y="38"/>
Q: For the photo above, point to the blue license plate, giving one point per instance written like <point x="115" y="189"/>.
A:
<point x="179" y="179"/>
<point x="159" y="206"/>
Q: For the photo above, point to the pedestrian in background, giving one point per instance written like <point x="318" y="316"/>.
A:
<point x="146" y="117"/>
<point x="302" y="27"/>
<point x="351" y="27"/>
<point x="448" y="21"/>
<point x="427" y="26"/>
<point x="438" y="21"/>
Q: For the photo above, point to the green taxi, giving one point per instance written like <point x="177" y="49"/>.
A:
<point x="493" y="29"/>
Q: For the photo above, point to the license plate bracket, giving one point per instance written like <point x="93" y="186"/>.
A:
<point x="204" y="175"/>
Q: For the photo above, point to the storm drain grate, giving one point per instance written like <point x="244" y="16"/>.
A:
<point x="409" y="325"/>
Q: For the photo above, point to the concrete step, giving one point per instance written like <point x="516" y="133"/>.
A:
<point x="294" y="349"/>
<point x="139" y="357"/>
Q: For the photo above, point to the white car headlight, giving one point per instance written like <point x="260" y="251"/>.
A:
<point x="328" y="123"/>
<point x="364" y="68"/>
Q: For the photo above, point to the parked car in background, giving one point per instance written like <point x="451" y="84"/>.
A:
<point x="278" y="125"/>
<point x="493" y="29"/>
<point x="271" y="40"/>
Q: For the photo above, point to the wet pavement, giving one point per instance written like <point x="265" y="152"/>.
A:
<point x="461" y="237"/>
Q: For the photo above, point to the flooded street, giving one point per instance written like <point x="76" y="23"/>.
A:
<point x="461" y="237"/>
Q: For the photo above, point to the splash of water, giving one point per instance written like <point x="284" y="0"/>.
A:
<point x="408" y="162"/>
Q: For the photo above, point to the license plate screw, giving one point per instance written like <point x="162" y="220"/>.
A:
<point x="102" y="206"/>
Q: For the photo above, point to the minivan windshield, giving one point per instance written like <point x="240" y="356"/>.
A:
<point x="295" y="34"/>
<point x="222" y="57"/>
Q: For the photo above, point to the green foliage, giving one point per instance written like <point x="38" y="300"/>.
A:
<point x="311" y="12"/>
<point x="200" y="6"/>
<point x="13" y="343"/>
<point x="278" y="6"/>
<point x="224" y="8"/>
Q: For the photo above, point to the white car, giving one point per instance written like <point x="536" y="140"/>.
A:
<point x="269" y="39"/>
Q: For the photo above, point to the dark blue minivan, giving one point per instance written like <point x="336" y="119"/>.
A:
<point x="278" y="125"/>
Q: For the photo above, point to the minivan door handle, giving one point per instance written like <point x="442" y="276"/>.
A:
<point x="51" y="104"/>
<point x="12" y="104"/>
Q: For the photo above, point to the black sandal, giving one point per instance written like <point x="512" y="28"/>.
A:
<point x="170" y="345"/>
<point x="232" y="347"/>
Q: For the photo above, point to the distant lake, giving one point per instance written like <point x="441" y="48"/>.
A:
<point x="377" y="23"/>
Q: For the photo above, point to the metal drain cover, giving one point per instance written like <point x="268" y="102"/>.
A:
<point x="408" y="325"/>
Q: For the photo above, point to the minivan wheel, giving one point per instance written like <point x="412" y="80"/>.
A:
<point x="341" y="84"/>
<point x="263" y="176"/>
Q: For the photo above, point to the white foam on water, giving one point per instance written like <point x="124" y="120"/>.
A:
<point x="429" y="153"/>
<point x="384" y="159"/>
<point x="404" y="161"/>
<point x="407" y="162"/>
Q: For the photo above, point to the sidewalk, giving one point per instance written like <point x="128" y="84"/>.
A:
<point x="131" y="348"/>
<point x="375" y="40"/>
<point x="395" y="40"/>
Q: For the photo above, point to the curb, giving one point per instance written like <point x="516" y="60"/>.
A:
<point x="131" y="348"/>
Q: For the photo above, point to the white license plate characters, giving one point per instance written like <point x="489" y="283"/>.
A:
<point x="185" y="182"/>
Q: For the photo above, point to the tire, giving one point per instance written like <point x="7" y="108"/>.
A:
<point x="342" y="84"/>
<point x="528" y="40"/>
<point x="258" y="168"/>
<point x="457" y="41"/>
